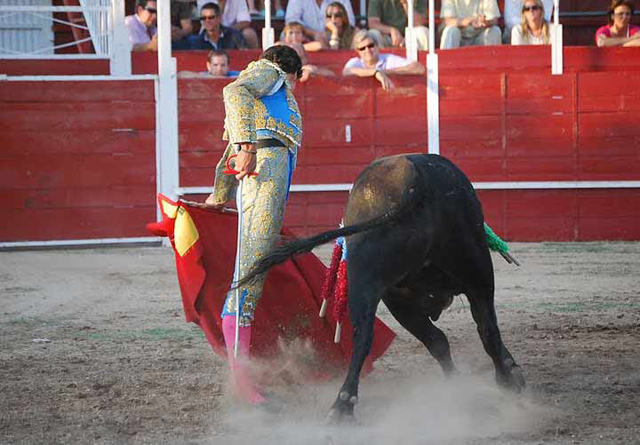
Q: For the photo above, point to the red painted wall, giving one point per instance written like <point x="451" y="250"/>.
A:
<point x="71" y="172"/>
<point x="78" y="159"/>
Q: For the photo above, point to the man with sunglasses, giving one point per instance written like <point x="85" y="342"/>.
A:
<point x="143" y="35"/>
<point x="214" y="35"/>
<point x="370" y="63"/>
<point x="235" y="14"/>
<point x="264" y="128"/>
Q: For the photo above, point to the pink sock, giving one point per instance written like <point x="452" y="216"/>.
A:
<point x="243" y="385"/>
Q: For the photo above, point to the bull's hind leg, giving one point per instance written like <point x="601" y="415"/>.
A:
<point x="404" y="309"/>
<point x="363" y="302"/>
<point x="472" y="266"/>
<point x="508" y="373"/>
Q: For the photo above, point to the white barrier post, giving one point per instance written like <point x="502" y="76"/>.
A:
<point x="119" y="49"/>
<point x="409" y="36"/>
<point x="167" y="164"/>
<point x="556" y="42"/>
<point x="433" y="93"/>
<point x="268" y="35"/>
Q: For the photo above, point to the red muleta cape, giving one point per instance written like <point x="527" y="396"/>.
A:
<point x="204" y="242"/>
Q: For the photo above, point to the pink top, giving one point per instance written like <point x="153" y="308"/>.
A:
<point x="606" y="31"/>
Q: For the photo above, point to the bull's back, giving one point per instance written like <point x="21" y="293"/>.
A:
<point x="440" y="191"/>
<point x="380" y="187"/>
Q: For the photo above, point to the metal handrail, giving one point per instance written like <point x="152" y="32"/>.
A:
<point x="102" y="40"/>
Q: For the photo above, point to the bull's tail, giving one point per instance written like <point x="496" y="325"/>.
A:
<point x="304" y="245"/>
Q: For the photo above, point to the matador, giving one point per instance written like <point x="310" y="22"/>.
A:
<point x="264" y="128"/>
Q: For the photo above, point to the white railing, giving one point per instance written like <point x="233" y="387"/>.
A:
<point x="45" y="13"/>
<point x="104" y="28"/>
<point x="98" y="23"/>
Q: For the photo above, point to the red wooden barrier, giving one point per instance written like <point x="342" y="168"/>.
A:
<point x="78" y="157"/>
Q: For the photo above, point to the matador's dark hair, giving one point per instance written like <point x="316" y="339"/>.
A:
<point x="285" y="57"/>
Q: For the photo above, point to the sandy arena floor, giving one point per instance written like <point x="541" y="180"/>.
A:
<point x="95" y="349"/>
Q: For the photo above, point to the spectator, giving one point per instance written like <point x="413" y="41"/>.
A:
<point x="181" y="26"/>
<point x="619" y="31"/>
<point x="235" y="14"/>
<point x="388" y="20"/>
<point x="534" y="28"/>
<point x="339" y="31"/>
<point x="143" y="35"/>
<point x="370" y="63"/>
<point x="141" y="27"/>
<point x="213" y="34"/>
<point x="513" y="16"/>
<point x="469" y="22"/>
<point x="181" y="13"/>
<point x="293" y="37"/>
<point x="218" y="64"/>
<point x="312" y="15"/>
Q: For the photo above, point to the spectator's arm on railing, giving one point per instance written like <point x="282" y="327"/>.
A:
<point x="413" y="68"/>
<point x="618" y="41"/>
<point x="360" y="72"/>
<point x="633" y="41"/>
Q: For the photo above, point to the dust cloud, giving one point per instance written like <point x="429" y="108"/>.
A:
<point x="403" y="410"/>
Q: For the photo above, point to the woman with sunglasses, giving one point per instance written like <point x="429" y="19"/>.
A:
<point x="339" y="31"/>
<point x="513" y="15"/>
<point x="619" y="31"/>
<point x="534" y="29"/>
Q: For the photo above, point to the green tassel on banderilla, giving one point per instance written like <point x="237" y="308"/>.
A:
<point x="496" y="244"/>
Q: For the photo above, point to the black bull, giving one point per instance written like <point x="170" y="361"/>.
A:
<point x="416" y="238"/>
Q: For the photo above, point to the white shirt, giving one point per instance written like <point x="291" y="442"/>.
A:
<point x="234" y="11"/>
<point x="518" y="39"/>
<point x="313" y="16"/>
<point x="513" y="12"/>
<point x="385" y="62"/>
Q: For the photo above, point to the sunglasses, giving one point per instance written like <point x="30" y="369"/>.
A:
<point x="337" y="15"/>
<point x="208" y="17"/>
<point x="531" y="8"/>
<point x="152" y="10"/>
<point x="370" y="45"/>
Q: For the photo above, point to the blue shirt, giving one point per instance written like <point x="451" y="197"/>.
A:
<point x="229" y="39"/>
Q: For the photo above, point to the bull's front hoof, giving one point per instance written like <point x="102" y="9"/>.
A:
<point x="342" y="410"/>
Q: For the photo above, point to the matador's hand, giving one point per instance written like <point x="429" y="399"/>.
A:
<point x="210" y="203"/>
<point x="246" y="160"/>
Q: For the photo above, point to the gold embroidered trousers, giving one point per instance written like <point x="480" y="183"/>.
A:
<point x="262" y="202"/>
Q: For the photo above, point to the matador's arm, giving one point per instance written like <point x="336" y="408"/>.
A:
<point x="259" y="79"/>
